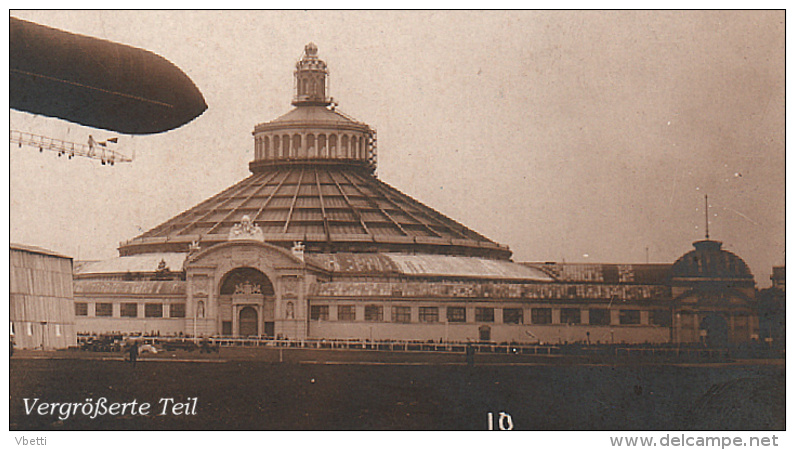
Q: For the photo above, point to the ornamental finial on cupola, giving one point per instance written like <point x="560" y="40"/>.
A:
<point x="311" y="76"/>
<point x="310" y="50"/>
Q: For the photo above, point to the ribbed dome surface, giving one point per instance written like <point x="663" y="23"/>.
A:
<point x="313" y="115"/>
<point x="709" y="260"/>
<point x="327" y="207"/>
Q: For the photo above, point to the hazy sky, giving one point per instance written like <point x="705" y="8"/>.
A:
<point x="576" y="136"/>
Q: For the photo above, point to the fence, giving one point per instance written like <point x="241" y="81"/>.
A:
<point x="611" y="351"/>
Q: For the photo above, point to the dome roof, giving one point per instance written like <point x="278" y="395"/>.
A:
<point x="313" y="182"/>
<point x="329" y="208"/>
<point x="313" y="116"/>
<point x="710" y="262"/>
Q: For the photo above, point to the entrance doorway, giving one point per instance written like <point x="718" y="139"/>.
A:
<point x="245" y="302"/>
<point x="717" y="330"/>
<point x="269" y="329"/>
<point x="248" y="322"/>
<point x="485" y="333"/>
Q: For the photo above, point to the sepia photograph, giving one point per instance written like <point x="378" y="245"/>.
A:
<point x="351" y="220"/>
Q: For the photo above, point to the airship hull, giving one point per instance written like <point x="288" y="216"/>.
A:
<point x="97" y="83"/>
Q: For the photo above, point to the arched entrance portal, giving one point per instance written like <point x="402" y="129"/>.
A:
<point x="715" y="330"/>
<point x="246" y="303"/>
<point x="247" y="322"/>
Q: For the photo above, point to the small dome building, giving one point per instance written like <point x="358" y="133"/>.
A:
<point x="713" y="296"/>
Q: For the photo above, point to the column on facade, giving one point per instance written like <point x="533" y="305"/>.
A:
<point x="235" y="320"/>
<point x="387" y="312"/>
<point x="358" y="311"/>
<point x="285" y="146"/>
<point x="615" y="317"/>
<point x="696" y="328"/>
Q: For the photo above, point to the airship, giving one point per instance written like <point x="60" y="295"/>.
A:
<point x="97" y="83"/>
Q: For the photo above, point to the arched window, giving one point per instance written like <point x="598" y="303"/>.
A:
<point x="296" y="150"/>
<point x="344" y="146"/>
<point x="332" y="146"/>
<point x="265" y="148"/>
<point x="322" y="151"/>
<point x="311" y="151"/>
<point x="362" y="149"/>
<point x="285" y="146"/>
<point x="302" y="88"/>
<point x="276" y="146"/>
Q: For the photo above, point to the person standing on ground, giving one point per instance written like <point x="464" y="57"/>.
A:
<point x="470" y="352"/>
<point x="133" y="352"/>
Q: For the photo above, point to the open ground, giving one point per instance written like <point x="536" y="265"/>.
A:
<point x="299" y="389"/>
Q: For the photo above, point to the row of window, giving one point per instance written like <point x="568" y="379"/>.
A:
<point x="299" y="146"/>
<point x="151" y="310"/>
<point x="402" y="314"/>
<point x="541" y="316"/>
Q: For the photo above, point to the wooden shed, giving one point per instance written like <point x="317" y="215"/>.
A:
<point x="41" y="307"/>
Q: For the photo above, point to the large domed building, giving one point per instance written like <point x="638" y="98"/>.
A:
<point x="313" y="245"/>
<point x="295" y="249"/>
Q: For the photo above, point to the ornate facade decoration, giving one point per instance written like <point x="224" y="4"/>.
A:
<point x="290" y="285"/>
<point x="246" y="229"/>
<point x="201" y="285"/>
<point x="298" y="250"/>
<point x="194" y="247"/>
<point x="247" y="288"/>
<point x="162" y="266"/>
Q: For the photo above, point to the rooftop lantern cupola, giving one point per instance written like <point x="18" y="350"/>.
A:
<point x="314" y="132"/>
<point x="311" y="75"/>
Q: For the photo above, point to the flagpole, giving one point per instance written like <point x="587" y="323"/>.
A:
<point x="706" y="213"/>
